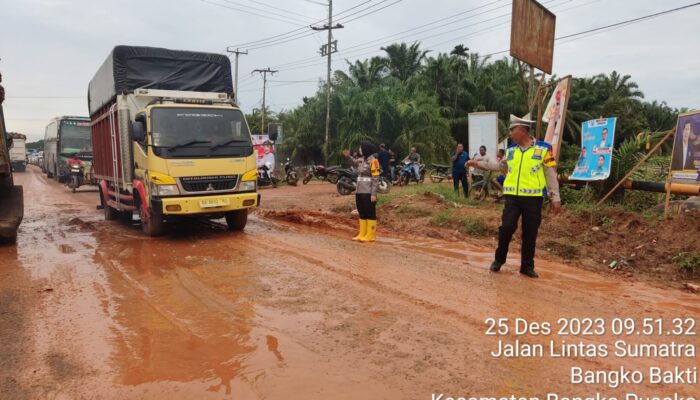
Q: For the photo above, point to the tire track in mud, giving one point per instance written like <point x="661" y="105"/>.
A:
<point x="375" y="285"/>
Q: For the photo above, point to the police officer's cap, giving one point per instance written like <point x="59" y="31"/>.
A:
<point x="524" y="121"/>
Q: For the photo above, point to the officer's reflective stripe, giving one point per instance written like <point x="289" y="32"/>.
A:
<point x="364" y="179"/>
<point x="530" y="191"/>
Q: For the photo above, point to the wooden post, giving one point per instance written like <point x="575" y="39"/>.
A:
<point x="668" y="182"/>
<point x="539" y="98"/>
<point x="636" y="166"/>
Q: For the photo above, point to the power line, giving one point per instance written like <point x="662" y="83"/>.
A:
<point x="243" y="10"/>
<point x="284" y="16"/>
<point x="412" y="30"/>
<point x="630" y="21"/>
<point x="292" y="32"/>
<point x="279" y="8"/>
<point x="371" y="12"/>
<point x="617" y="25"/>
<point x="301" y="35"/>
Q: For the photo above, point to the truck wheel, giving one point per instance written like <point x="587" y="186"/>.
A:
<point x="12" y="239"/>
<point x="237" y="220"/>
<point x="49" y="174"/>
<point x="110" y="213"/>
<point x="151" y="224"/>
<point x="126" y="216"/>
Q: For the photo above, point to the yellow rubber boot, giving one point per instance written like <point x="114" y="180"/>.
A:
<point x="371" y="231"/>
<point x="363" y="230"/>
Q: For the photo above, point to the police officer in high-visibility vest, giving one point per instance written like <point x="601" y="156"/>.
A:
<point x="531" y="168"/>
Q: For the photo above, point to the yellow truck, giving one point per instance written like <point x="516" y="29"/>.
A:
<point x="168" y="140"/>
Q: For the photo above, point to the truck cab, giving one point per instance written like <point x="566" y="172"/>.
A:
<point x="193" y="156"/>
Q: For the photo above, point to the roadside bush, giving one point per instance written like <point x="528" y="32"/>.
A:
<point x="474" y="226"/>
<point x="688" y="262"/>
<point x="443" y="217"/>
<point x="414" y="212"/>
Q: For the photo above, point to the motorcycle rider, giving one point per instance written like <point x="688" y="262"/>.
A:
<point x="368" y="171"/>
<point x="414" y="159"/>
<point x="384" y="156"/>
<point x="74" y="160"/>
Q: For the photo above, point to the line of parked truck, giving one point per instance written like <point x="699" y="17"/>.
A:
<point x="164" y="140"/>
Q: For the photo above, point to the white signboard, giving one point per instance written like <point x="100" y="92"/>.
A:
<point x="483" y="131"/>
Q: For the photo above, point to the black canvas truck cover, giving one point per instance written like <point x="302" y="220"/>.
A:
<point x="132" y="67"/>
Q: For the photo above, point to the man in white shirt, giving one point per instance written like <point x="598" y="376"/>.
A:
<point x="481" y="157"/>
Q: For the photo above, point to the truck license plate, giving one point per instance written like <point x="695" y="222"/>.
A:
<point x="211" y="203"/>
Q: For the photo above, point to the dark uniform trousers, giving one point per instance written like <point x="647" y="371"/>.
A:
<point x="530" y="208"/>
<point x="365" y="207"/>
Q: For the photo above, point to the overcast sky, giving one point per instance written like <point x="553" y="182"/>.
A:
<point x="50" y="49"/>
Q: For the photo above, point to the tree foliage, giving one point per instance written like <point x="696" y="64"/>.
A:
<point x="408" y="97"/>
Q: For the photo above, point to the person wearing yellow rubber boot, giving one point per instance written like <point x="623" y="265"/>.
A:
<point x="368" y="171"/>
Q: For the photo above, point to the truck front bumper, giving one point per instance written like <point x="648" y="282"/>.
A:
<point x="206" y="204"/>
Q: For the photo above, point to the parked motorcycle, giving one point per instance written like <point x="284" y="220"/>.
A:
<point x="439" y="172"/>
<point x="483" y="187"/>
<point x="265" y="176"/>
<point x="347" y="182"/>
<point x="407" y="175"/>
<point x="321" y="173"/>
<point x="77" y="177"/>
<point x="290" y="175"/>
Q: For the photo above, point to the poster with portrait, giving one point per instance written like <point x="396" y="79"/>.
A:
<point x="685" y="162"/>
<point x="265" y="149"/>
<point x="555" y="115"/>
<point x="597" y="139"/>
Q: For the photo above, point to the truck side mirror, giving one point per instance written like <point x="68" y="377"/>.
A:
<point x="138" y="132"/>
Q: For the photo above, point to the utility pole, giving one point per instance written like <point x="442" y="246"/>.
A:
<point x="327" y="50"/>
<point x="235" y="81"/>
<point x="264" y="73"/>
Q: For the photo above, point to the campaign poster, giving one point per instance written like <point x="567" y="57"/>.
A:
<point x="555" y="115"/>
<point x="483" y="131"/>
<point x="685" y="162"/>
<point x="597" y="139"/>
<point x="265" y="149"/>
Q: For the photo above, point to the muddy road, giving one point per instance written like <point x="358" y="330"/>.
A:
<point x="91" y="309"/>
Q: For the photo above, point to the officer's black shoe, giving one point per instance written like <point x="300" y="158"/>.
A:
<point x="495" y="266"/>
<point x="530" y="273"/>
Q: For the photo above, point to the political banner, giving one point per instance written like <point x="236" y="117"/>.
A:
<point x="555" y="115"/>
<point x="483" y="131"/>
<point x="597" y="139"/>
<point x="265" y="149"/>
<point x="685" y="162"/>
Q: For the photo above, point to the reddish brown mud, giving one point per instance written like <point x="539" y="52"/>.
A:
<point x="91" y="309"/>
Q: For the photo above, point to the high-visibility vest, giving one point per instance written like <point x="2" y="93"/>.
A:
<point x="526" y="169"/>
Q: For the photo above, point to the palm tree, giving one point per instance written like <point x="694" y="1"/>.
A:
<point x="617" y="85"/>
<point x="460" y="53"/>
<point x="363" y="74"/>
<point x="404" y="61"/>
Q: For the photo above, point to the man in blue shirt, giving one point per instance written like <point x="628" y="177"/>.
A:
<point x="459" y="169"/>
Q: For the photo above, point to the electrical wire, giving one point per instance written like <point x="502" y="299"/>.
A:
<point x="292" y="32"/>
<point x="243" y="10"/>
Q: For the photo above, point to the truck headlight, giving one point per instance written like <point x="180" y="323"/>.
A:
<point x="165" y="190"/>
<point x="247" y="186"/>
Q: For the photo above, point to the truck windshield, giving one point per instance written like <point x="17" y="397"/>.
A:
<point x="198" y="127"/>
<point x="75" y="137"/>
